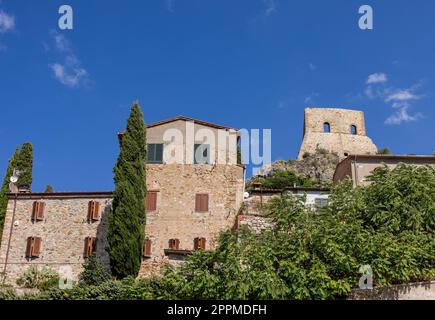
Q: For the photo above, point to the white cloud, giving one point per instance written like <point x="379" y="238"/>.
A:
<point x="7" y="22"/>
<point x="70" y="73"/>
<point x="270" y="7"/>
<point x="310" y="98"/>
<point x="399" y="99"/>
<point x="402" y="115"/>
<point x="377" y="78"/>
<point x="69" y="76"/>
<point x="402" y="95"/>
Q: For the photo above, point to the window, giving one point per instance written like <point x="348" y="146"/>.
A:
<point x="321" y="202"/>
<point x="93" y="210"/>
<point x="199" y="243"/>
<point x="201" y="202"/>
<point x="353" y="129"/>
<point x="326" y="127"/>
<point x="202" y="154"/>
<point x="174" y="244"/>
<point x="90" y="246"/>
<point x="38" y="211"/>
<point x="33" y="248"/>
<point x="151" y="201"/>
<point x="147" y="248"/>
<point x="155" y="153"/>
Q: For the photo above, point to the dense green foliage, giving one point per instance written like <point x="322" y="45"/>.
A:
<point x="384" y="151"/>
<point x="5" y="188"/>
<point x="25" y="165"/>
<point x="33" y="278"/>
<point x="127" y="219"/>
<point x="282" y="179"/>
<point x="388" y="225"/>
<point x="316" y="255"/>
<point x="22" y="160"/>
<point x="49" y="189"/>
<point x="94" y="272"/>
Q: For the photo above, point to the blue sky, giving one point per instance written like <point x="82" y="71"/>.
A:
<point x="245" y="63"/>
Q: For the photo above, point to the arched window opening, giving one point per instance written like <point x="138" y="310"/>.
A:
<point x="353" y="129"/>
<point x="326" y="127"/>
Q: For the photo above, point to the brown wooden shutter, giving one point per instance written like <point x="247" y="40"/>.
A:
<point x="204" y="203"/>
<point x="151" y="201"/>
<point x="40" y="212"/>
<point x="36" y="250"/>
<point x="199" y="243"/>
<point x="201" y="203"/>
<point x="147" y="248"/>
<point x="202" y="243"/>
<point x="93" y="210"/>
<point x="90" y="246"/>
<point x="96" y="213"/>
<point x="29" y="247"/>
<point x="174" y="244"/>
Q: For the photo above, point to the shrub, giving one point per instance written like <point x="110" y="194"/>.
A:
<point x="94" y="272"/>
<point x="40" y="279"/>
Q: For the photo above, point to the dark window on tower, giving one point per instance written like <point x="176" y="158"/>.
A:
<point x="155" y="153"/>
<point x="202" y="154"/>
<point x="353" y="129"/>
<point x="326" y="127"/>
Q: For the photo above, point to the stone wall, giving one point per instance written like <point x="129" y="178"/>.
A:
<point x="63" y="231"/>
<point x="339" y="139"/>
<point x="175" y="217"/>
<point x="410" y="291"/>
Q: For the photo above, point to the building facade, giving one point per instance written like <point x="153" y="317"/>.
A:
<point x="359" y="167"/>
<point x="194" y="191"/>
<point x="337" y="130"/>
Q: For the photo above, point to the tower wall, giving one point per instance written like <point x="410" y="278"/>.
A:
<point x="339" y="139"/>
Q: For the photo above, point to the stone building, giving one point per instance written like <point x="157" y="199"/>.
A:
<point x="336" y="130"/>
<point x="254" y="206"/>
<point x="358" y="167"/>
<point x="194" y="191"/>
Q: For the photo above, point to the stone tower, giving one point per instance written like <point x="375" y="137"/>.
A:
<point x="336" y="130"/>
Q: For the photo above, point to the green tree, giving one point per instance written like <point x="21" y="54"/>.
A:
<point x="388" y="225"/>
<point x="5" y="187"/>
<point x="25" y="165"/>
<point x="49" y="189"/>
<point x="94" y="272"/>
<point x="384" y="151"/>
<point x="127" y="219"/>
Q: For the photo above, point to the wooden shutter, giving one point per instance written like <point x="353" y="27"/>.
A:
<point x="33" y="248"/>
<point x="174" y="244"/>
<point x="29" y="247"/>
<point x="93" y="210"/>
<point x="201" y="203"/>
<point x="36" y="247"/>
<point x="147" y="248"/>
<point x="38" y="211"/>
<point x="90" y="246"/>
<point x="199" y="243"/>
<point x="151" y="201"/>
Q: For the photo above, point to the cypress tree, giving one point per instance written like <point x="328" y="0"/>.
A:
<point x="25" y="165"/>
<point x="127" y="220"/>
<point x="49" y="189"/>
<point x="5" y="187"/>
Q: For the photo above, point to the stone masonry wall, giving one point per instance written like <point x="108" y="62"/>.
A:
<point x="339" y="139"/>
<point x="175" y="217"/>
<point x="63" y="233"/>
<point x="409" y="291"/>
